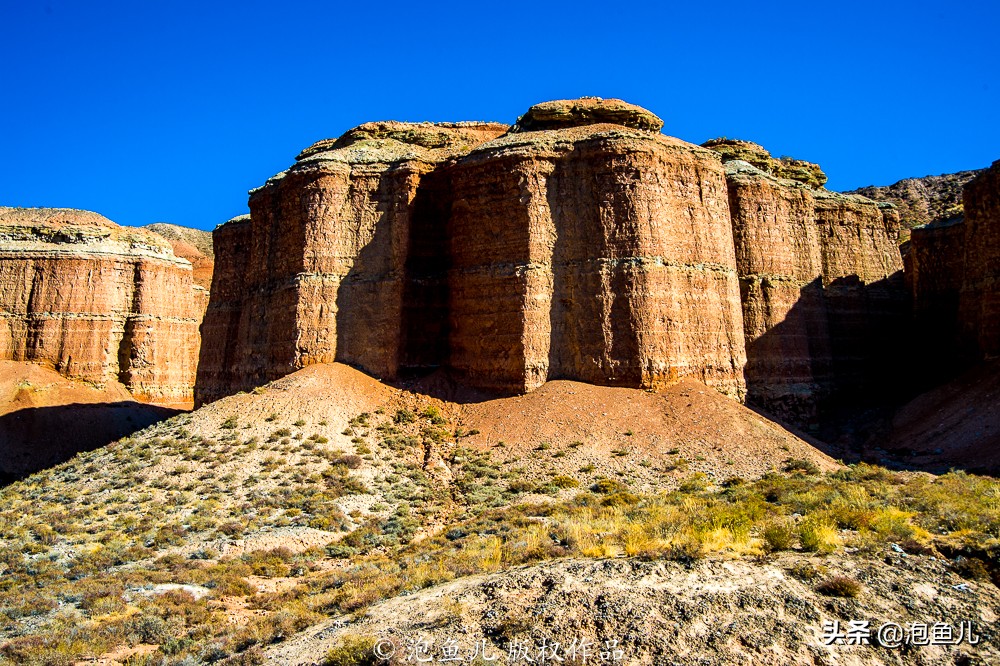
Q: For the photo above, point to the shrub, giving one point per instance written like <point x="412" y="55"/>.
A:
<point x="404" y="416"/>
<point x="778" y="535"/>
<point x="839" y="586"/>
<point x="353" y="650"/>
<point x="563" y="481"/>
<point x="818" y="537"/>
<point x="801" y="465"/>
<point x="606" y="486"/>
<point x="695" y="483"/>
<point x="686" y="551"/>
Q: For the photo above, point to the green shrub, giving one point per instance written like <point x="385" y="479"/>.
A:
<point x="801" y="465"/>
<point x="353" y="650"/>
<point x="778" y="535"/>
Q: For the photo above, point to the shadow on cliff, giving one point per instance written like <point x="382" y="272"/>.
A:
<point x="34" y="438"/>
<point x="841" y="366"/>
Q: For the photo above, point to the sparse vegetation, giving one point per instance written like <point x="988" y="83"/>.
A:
<point x="82" y="549"/>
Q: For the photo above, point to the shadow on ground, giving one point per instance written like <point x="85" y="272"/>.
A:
<point x="38" y="437"/>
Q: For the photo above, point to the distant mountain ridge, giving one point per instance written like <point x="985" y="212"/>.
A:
<point x="924" y="200"/>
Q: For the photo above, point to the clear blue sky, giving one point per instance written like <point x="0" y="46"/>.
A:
<point x="171" y="111"/>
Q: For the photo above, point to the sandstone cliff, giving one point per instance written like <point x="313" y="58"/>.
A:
<point x="97" y="301"/>
<point x="582" y="244"/>
<point x="318" y="272"/>
<point x="821" y="290"/>
<point x="194" y="245"/>
<point x="579" y="244"/>
<point x="979" y="303"/>
<point x="592" y="251"/>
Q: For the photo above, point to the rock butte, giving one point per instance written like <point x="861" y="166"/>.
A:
<point x="97" y="301"/>
<point x="578" y="244"/>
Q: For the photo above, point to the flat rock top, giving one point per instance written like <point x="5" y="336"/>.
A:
<point x="65" y="230"/>
<point x="52" y="217"/>
<point x="612" y="137"/>
<point x="393" y="141"/>
<point x="563" y="113"/>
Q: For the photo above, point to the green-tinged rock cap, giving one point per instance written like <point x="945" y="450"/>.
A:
<point x="758" y="156"/>
<point x="563" y="113"/>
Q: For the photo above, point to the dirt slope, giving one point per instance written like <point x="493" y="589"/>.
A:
<point x="556" y="428"/>
<point x="955" y="425"/>
<point x="687" y="424"/>
<point x="46" y="418"/>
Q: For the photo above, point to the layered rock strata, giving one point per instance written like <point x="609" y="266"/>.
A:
<point x="97" y="301"/>
<point x="600" y="253"/>
<point x="194" y="245"/>
<point x="820" y="286"/>
<point x="580" y="244"/>
<point x="338" y="252"/>
<point x="979" y="302"/>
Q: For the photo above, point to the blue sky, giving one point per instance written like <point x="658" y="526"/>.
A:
<point x="157" y="111"/>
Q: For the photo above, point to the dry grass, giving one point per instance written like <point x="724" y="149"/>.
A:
<point x="403" y="506"/>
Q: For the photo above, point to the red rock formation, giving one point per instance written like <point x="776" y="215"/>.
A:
<point x="596" y="252"/>
<point x="97" y="301"/>
<point x="324" y="256"/>
<point x="582" y="244"/>
<point x="820" y="286"/>
<point x="194" y="245"/>
<point x="979" y="305"/>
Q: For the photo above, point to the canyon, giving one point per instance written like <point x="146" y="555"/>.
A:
<point x="579" y="243"/>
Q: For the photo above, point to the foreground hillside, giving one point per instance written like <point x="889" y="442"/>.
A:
<point x="224" y="534"/>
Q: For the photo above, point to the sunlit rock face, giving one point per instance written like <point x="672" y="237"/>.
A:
<point x="97" y="301"/>
<point x="580" y="243"/>
<point x="341" y="259"/>
<point x="593" y="251"/>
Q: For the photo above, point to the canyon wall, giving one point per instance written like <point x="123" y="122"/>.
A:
<point x="318" y="271"/>
<point x="979" y="302"/>
<point x="953" y="272"/>
<point x="589" y="250"/>
<point x="820" y="281"/>
<point x="581" y="243"/>
<point x="194" y="245"/>
<point x="97" y="301"/>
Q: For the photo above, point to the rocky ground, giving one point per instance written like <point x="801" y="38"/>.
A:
<point x="710" y="612"/>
